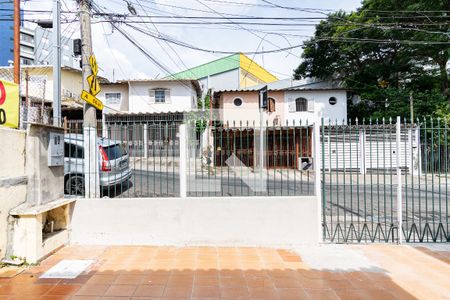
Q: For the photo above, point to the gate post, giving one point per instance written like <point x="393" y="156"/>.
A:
<point x="145" y="140"/>
<point x="399" y="181"/>
<point x="183" y="160"/>
<point x="317" y="178"/>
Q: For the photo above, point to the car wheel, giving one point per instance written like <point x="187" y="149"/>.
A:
<point x="75" y="185"/>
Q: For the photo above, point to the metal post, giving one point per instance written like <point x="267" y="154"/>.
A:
<point x="57" y="62"/>
<point x="362" y="151"/>
<point x="26" y="108"/>
<point x="91" y="164"/>
<point x="317" y="176"/>
<point x="261" y="147"/>
<point x="183" y="160"/>
<point x="146" y="140"/>
<point x="17" y="41"/>
<point x="399" y="181"/>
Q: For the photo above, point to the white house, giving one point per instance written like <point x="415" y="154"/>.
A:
<point x="289" y="101"/>
<point x="150" y="96"/>
<point x="314" y="103"/>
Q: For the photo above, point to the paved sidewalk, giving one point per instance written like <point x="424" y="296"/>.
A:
<point x="325" y="272"/>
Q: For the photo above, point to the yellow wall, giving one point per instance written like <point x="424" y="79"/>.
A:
<point x="250" y="67"/>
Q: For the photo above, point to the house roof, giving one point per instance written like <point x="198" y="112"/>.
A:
<point x="195" y="84"/>
<point x="290" y="85"/>
<point x="228" y="63"/>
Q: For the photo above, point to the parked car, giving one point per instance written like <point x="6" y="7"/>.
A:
<point x="113" y="163"/>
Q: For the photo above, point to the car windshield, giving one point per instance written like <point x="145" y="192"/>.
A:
<point x="114" y="151"/>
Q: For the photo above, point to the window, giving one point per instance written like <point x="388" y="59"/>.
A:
<point x="159" y="96"/>
<point x="26" y="38"/>
<point x="73" y="151"/>
<point x="237" y="102"/>
<point x="301" y="104"/>
<point x="113" y="98"/>
<point x="271" y="104"/>
<point x="332" y="100"/>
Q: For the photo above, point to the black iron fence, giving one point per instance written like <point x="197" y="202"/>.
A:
<point x="381" y="176"/>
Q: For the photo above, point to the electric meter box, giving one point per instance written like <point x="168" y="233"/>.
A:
<point x="55" y="149"/>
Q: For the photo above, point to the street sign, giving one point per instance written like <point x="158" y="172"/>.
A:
<point x="9" y="104"/>
<point x="94" y="86"/>
<point x="92" y="100"/>
<point x="263" y="97"/>
<point x="94" y="66"/>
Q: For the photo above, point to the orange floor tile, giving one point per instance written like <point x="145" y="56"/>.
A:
<point x="141" y="272"/>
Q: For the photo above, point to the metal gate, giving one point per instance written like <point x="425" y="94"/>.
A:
<point x="382" y="176"/>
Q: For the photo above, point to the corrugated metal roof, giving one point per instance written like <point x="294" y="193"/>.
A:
<point x="217" y="66"/>
<point x="227" y="63"/>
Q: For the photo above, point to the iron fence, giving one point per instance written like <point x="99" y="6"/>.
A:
<point x="381" y="176"/>
<point x="226" y="160"/>
<point x="135" y="160"/>
<point x="221" y="160"/>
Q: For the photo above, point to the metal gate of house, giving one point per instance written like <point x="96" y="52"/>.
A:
<point x="149" y="153"/>
<point x="380" y="176"/>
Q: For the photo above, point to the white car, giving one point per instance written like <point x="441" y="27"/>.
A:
<point x="113" y="163"/>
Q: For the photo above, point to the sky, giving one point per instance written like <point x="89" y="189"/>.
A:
<point x="119" y="59"/>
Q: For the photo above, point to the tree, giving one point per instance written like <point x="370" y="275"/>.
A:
<point x="379" y="52"/>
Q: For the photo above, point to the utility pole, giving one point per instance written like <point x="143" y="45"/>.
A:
<point x="91" y="165"/>
<point x="17" y="41"/>
<point x="57" y="62"/>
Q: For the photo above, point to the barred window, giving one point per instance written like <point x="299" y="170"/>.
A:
<point x="301" y="104"/>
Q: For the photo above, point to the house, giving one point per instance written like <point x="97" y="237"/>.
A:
<point x="150" y="96"/>
<point x="36" y="89"/>
<point x="236" y="71"/>
<point x="290" y="103"/>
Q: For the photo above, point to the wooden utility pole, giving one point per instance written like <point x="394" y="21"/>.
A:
<point x="91" y="171"/>
<point x="17" y="41"/>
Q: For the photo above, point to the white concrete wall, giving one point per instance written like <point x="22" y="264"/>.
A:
<point x="252" y="221"/>
<point x="322" y="107"/>
<point x="45" y="184"/>
<point x="228" y="80"/>
<point x="182" y="97"/>
<point x="13" y="183"/>
<point x="121" y="88"/>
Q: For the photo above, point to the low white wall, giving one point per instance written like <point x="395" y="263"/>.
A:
<point x="252" y="221"/>
<point x="13" y="181"/>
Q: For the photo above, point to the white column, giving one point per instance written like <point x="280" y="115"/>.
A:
<point x="362" y="152"/>
<point x="399" y="182"/>
<point x="146" y="140"/>
<point x="91" y="163"/>
<point x="317" y="175"/>
<point x="183" y="160"/>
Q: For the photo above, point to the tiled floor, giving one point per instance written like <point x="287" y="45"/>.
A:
<point x="135" y="272"/>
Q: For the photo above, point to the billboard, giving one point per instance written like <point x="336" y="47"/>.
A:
<point x="9" y="104"/>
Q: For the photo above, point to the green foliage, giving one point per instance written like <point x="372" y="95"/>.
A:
<point x="379" y="52"/>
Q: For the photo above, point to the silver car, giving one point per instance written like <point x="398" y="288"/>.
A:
<point x="113" y="163"/>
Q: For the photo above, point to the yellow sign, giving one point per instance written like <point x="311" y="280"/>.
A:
<point x="94" y="66"/>
<point x="9" y="104"/>
<point x="94" y="86"/>
<point x="92" y="100"/>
